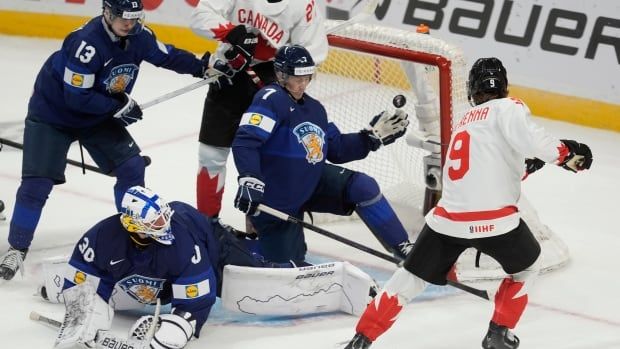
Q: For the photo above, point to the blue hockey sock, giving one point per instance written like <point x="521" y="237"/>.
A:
<point x="30" y="199"/>
<point x="128" y="174"/>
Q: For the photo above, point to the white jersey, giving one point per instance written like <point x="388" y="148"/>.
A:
<point x="484" y="167"/>
<point x="279" y="23"/>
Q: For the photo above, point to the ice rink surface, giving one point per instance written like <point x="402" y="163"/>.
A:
<point x="577" y="306"/>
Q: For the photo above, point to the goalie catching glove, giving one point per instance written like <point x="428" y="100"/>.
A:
<point x="384" y="128"/>
<point x="173" y="330"/>
<point x="579" y="156"/>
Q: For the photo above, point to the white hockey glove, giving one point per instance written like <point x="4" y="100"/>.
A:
<point x="174" y="330"/>
<point x="86" y="313"/>
<point x="129" y="111"/>
<point x="385" y="128"/>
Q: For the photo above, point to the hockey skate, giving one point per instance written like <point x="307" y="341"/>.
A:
<point x="403" y="249"/>
<point x="359" y="342"/>
<point x="499" y="337"/>
<point x="11" y="262"/>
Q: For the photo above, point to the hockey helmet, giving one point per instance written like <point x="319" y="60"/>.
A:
<point x="487" y="75"/>
<point x="143" y="211"/>
<point x="127" y="9"/>
<point x="293" y="60"/>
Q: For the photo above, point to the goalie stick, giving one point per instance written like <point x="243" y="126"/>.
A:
<point x="106" y="339"/>
<point x="283" y="216"/>
<point x="147" y="159"/>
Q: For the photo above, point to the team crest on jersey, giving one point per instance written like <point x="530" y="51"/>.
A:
<point x="141" y="288"/>
<point x="120" y="77"/>
<point x="313" y="139"/>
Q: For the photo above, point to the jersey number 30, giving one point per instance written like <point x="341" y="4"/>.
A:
<point x="459" y="151"/>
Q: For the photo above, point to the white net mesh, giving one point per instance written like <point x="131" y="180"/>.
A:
<point x="355" y="85"/>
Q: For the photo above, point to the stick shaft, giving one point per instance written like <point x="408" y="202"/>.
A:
<point x="281" y="215"/>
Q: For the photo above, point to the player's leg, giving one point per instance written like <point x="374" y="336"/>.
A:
<point x="279" y="241"/>
<point x="114" y="150"/>
<point x="518" y="253"/>
<point x="44" y="162"/>
<point x="221" y="115"/>
<point x="340" y="191"/>
<point x="429" y="262"/>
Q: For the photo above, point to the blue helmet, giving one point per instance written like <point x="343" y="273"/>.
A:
<point x="487" y="75"/>
<point x="293" y="60"/>
<point x="127" y="9"/>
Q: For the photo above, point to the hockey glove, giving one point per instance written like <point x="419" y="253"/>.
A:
<point x="532" y="165"/>
<point x="579" y="156"/>
<point x="243" y="45"/>
<point x="173" y="330"/>
<point x="385" y="128"/>
<point x="129" y="111"/>
<point x="249" y="194"/>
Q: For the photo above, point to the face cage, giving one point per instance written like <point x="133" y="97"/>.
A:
<point x="137" y="16"/>
<point x="160" y="233"/>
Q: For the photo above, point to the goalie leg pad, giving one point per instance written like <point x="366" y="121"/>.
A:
<point x="86" y="313"/>
<point x="337" y="286"/>
<point x="53" y="278"/>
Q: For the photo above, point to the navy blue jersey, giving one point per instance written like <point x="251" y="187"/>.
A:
<point x="286" y="142"/>
<point x="182" y="273"/>
<point x="75" y="84"/>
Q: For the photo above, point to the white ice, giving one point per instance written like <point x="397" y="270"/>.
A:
<point x="575" y="307"/>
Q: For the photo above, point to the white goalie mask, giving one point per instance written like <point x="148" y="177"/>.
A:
<point x="145" y="212"/>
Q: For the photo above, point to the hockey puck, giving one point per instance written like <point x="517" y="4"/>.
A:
<point x="399" y="101"/>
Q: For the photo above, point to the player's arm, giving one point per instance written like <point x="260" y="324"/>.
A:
<point x="209" y="18"/>
<point x="531" y="139"/>
<point x="310" y="30"/>
<point x="347" y="147"/>
<point x="83" y="61"/>
<point x="171" y="58"/>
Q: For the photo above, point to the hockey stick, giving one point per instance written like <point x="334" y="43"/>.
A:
<point x="368" y="10"/>
<point x="105" y="339"/>
<point x="283" y="216"/>
<point x="147" y="159"/>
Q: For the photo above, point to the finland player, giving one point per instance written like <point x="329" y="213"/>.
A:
<point x="82" y="94"/>
<point x="478" y="208"/>
<point x="281" y="149"/>
<point x="154" y="249"/>
<point x="249" y="32"/>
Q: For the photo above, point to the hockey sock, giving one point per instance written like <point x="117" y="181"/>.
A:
<point x="509" y="303"/>
<point x="375" y="211"/>
<point x="30" y="199"/>
<point x="209" y="192"/>
<point x="128" y="174"/>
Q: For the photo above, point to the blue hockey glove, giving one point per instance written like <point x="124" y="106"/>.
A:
<point x="129" y="111"/>
<point x="249" y="195"/>
<point x="385" y="128"/>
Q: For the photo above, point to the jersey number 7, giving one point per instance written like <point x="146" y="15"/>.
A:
<point x="459" y="150"/>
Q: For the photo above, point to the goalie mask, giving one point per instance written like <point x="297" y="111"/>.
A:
<point x="143" y="211"/>
<point x="487" y="76"/>
<point x="125" y="10"/>
<point x="293" y="60"/>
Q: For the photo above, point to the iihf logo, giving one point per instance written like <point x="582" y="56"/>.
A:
<point x="120" y="77"/>
<point x="313" y="139"/>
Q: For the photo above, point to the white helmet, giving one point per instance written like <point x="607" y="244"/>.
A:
<point x="143" y="211"/>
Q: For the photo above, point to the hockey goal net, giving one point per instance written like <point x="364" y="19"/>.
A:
<point x="366" y="67"/>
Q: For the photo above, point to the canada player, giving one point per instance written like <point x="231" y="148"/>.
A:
<point x="482" y="183"/>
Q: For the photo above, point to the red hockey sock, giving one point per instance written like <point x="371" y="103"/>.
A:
<point x="508" y="305"/>
<point x="208" y="195"/>
<point x="379" y="316"/>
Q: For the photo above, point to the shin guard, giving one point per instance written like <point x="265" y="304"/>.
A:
<point x="210" y="179"/>
<point x="30" y="199"/>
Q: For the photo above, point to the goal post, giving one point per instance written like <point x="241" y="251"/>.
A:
<point x="366" y="67"/>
